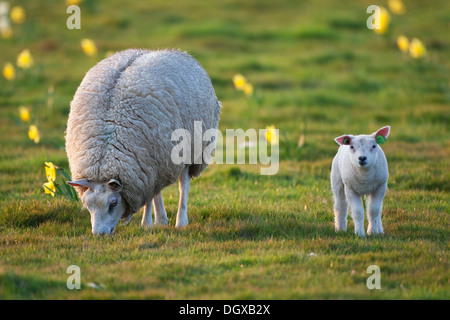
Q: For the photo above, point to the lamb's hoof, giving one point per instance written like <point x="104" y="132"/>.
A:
<point x="374" y="233"/>
<point x="181" y="224"/>
<point x="340" y="229"/>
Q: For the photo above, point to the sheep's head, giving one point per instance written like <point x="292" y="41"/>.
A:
<point x="364" y="148"/>
<point x="105" y="203"/>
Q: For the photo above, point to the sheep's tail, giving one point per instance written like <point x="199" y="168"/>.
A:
<point x="195" y="170"/>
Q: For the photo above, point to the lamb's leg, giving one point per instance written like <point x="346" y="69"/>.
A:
<point x="160" y="211"/>
<point x="147" y="217"/>
<point x="375" y="205"/>
<point x="357" y="211"/>
<point x="340" y="206"/>
<point x="184" y="184"/>
<point x="340" y="202"/>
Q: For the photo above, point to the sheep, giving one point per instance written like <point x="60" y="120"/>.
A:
<point x="360" y="168"/>
<point x="119" y="134"/>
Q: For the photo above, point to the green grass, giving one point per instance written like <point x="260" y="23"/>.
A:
<point x="318" y="71"/>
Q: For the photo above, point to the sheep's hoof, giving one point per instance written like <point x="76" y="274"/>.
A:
<point x="162" y="222"/>
<point x="360" y="234"/>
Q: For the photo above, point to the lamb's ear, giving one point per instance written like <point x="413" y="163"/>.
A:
<point x="382" y="134"/>
<point x="115" y="185"/>
<point x="80" y="183"/>
<point x="343" y="140"/>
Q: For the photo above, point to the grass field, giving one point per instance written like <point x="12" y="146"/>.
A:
<point x="318" y="72"/>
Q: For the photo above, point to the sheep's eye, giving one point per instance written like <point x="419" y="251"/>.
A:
<point x="112" y="204"/>
<point x="351" y="147"/>
<point x="374" y="146"/>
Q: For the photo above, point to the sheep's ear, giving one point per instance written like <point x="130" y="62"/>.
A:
<point x="80" y="183"/>
<point x="115" y="185"/>
<point x="343" y="140"/>
<point x="382" y="134"/>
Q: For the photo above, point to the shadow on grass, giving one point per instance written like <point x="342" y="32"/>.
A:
<point x="14" y="286"/>
<point x="32" y="214"/>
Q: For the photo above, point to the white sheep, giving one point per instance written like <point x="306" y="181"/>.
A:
<point x="360" y="168"/>
<point x="118" y="137"/>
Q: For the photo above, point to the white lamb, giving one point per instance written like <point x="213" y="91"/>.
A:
<point x="360" y="168"/>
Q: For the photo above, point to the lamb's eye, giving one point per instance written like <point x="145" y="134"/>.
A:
<point x="374" y="146"/>
<point x="351" y="147"/>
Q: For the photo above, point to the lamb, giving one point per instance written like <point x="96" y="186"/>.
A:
<point x="360" y="168"/>
<point x="118" y="137"/>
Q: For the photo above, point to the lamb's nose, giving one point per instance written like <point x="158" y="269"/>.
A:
<point x="362" y="159"/>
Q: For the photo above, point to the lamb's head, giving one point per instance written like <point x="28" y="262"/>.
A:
<point x="105" y="203"/>
<point x="364" y="148"/>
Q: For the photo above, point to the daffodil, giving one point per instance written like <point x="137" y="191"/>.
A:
<point x="8" y="71"/>
<point x="396" y="6"/>
<point x="383" y="21"/>
<point x="50" y="171"/>
<point x="33" y="133"/>
<point x="17" y="14"/>
<point x="248" y="89"/>
<point x="24" y="59"/>
<point x="417" y="49"/>
<point x="109" y="53"/>
<point x="24" y="114"/>
<point x="271" y="135"/>
<point x="239" y="81"/>
<point x="73" y="2"/>
<point x="6" y="32"/>
<point x="89" y="47"/>
<point x="49" y="188"/>
<point x="403" y="43"/>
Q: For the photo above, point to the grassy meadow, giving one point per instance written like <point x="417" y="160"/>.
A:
<point x="318" y="72"/>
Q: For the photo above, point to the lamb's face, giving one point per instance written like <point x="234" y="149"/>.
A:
<point x="363" y="151"/>
<point x="105" y="204"/>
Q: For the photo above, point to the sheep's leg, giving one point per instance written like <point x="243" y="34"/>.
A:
<point x="160" y="211"/>
<point x="340" y="202"/>
<point x="184" y="184"/>
<point x="340" y="208"/>
<point x="357" y="211"/>
<point x="147" y="217"/>
<point x="375" y="205"/>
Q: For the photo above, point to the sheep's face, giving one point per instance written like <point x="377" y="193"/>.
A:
<point x="364" y="148"/>
<point x="363" y="151"/>
<point x="105" y="204"/>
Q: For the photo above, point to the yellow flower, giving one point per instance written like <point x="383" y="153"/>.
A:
<point x="72" y="2"/>
<point x="33" y="134"/>
<point x="50" y="171"/>
<point x="396" y="6"/>
<point x="109" y="53"/>
<point x="8" y="71"/>
<point x="24" y="113"/>
<point x="89" y="47"/>
<point x="17" y="14"/>
<point x="49" y="188"/>
<point x="24" y="59"/>
<point x="384" y="21"/>
<point x="248" y="89"/>
<point x="417" y="49"/>
<point x="239" y="81"/>
<point x="271" y="135"/>
<point x="403" y="43"/>
<point x="6" y="32"/>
